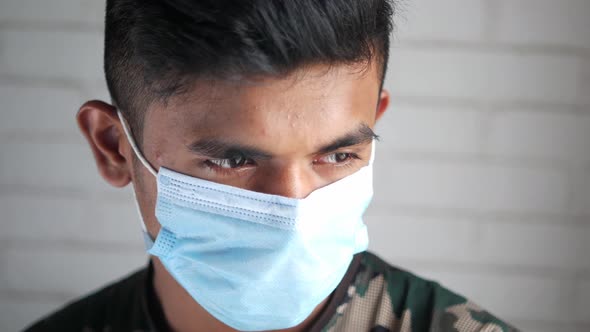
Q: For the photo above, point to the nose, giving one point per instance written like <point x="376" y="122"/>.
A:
<point x="288" y="181"/>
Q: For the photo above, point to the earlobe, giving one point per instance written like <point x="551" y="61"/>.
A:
<point x="99" y="123"/>
<point x="383" y="104"/>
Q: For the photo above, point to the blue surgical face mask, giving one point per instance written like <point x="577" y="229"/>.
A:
<point x="257" y="261"/>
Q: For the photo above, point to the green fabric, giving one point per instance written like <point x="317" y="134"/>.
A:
<point x="415" y="304"/>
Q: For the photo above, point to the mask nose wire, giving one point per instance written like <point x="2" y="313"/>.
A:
<point x="136" y="150"/>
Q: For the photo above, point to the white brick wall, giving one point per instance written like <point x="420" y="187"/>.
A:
<point x="484" y="74"/>
<point x="62" y="165"/>
<point x="582" y="292"/>
<point x="24" y="216"/>
<point x="584" y="90"/>
<point x="471" y="241"/>
<point x="26" y="115"/>
<point x="545" y="22"/>
<point x="18" y="310"/>
<point x="552" y="135"/>
<point x="60" y="266"/>
<point x="56" y="11"/>
<point x="435" y="19"/>
<point x="469" y="186"/>
<point x="417" y="128"/>
<point x="580" y="203"/>
<point x="483" y="169"/>
<point x="59" y="54"/>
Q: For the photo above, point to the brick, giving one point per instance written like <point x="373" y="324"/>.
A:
<point x="410" y="127"/>
<point x="467" y="186"/>
<point x="401" y="238"/>
<point x="438" y="20"/>
<point x="582" y="302"/>
<point x="580" y="203"/>
<point x="527" y="245"/>
<point x="485" y="75"/>
<point x="119" y="221"/>
<point x="430" y="239"/>
<point x="511" y="297"/>
<point x="97" y="91"/>
<point x="64" y="271"/>
<point x="38" y="110"/>
<point x="584" y="89"/>
<point x="61" y="165"/>
<point x="52" y="54"/>
<point x="95" y="11"/>
<point x="59" y="219"/>
<point x="544" y="22"/>
<point x="50" y="11"/>
<point x="537" y="134"/>
<point x="17" y="314"/>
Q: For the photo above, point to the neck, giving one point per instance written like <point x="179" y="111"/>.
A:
<point x="184" y="314"/>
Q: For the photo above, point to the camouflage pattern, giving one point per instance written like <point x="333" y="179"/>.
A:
<point x="386" y="299"/>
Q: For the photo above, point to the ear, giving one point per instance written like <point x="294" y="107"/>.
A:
<point x="382" y="104"/>
<point x="100" y="124"/>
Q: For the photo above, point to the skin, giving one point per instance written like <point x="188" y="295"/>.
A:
<point x="290" y="122"/>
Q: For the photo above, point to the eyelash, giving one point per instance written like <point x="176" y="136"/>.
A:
<point x="212" y="164"/>
<point x="346" y="162"/>
<point x="227" y="171"/>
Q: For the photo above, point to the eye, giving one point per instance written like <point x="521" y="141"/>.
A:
<point x="230" y="163"/>
<point x="336" y="158"/>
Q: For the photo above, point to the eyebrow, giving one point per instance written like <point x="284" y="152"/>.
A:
<point x="362" y="134"/>
<point x="220" y="149"/>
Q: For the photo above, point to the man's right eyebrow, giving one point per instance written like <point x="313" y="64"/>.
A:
<point x="219" y="149"/>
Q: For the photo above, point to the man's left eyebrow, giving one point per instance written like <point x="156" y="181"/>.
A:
<point x="362" y="134"/>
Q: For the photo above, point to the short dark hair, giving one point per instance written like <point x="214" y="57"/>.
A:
<point x="155" y="49"/>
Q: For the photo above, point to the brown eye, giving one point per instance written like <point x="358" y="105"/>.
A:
<point x="336" y="158"/>
<point x="341" y="157"/>
<point x="229" y="163"/>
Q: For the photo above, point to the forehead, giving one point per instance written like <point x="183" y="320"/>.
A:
<point x="304" y="106"/>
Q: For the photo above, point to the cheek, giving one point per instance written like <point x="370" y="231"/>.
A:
<point x="144" y="182"/>
<point x="145" y="187"/>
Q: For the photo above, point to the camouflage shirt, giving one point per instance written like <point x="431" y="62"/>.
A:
<point x="373" y="296"/>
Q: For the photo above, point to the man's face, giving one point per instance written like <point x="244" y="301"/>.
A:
<point x="284" y="136"/>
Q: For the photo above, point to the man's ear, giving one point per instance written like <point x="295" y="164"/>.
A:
<point x="383" y="104"/>
<point x="99" y="123"/>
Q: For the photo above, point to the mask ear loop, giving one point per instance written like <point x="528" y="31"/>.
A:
<point x="147" y="239"/>
<point x="373" y="146"/>
<point x="134" y="145"/>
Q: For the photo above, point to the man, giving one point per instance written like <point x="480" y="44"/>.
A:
<point x="246" y="129"/>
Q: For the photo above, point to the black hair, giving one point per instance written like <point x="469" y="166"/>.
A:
<point x="154" y="49"/>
